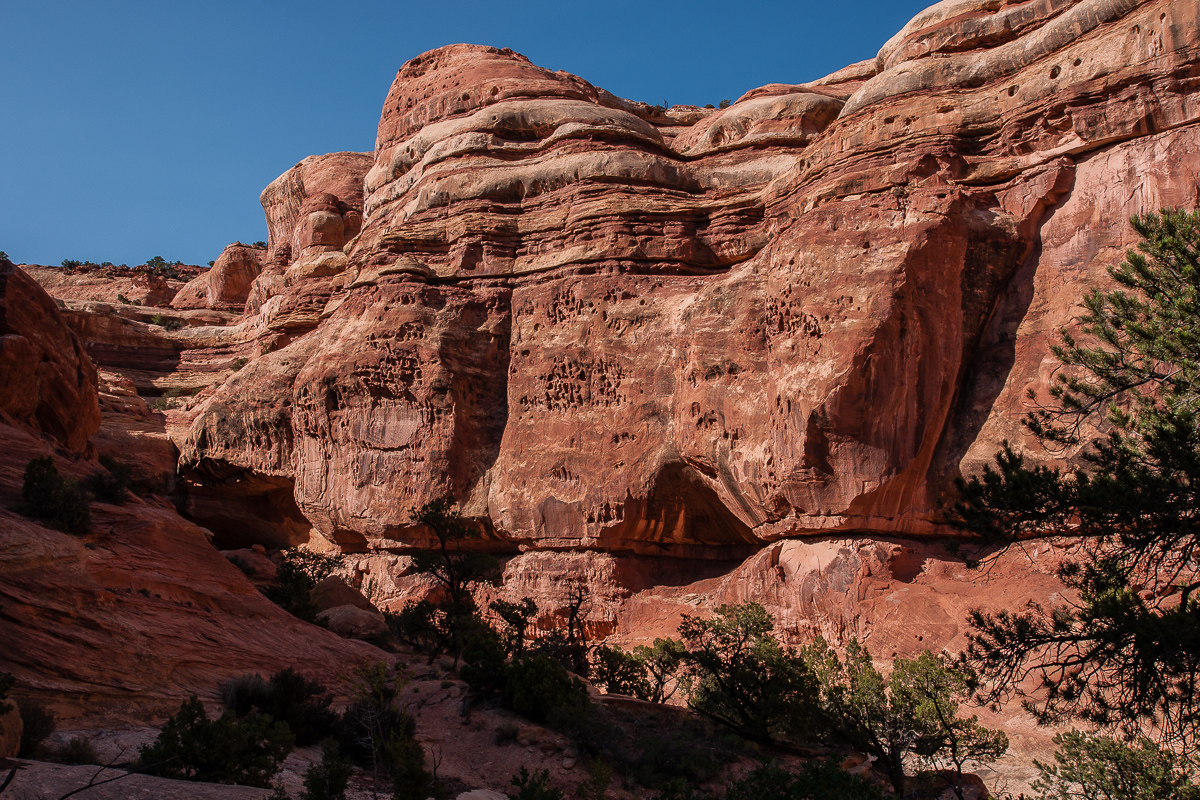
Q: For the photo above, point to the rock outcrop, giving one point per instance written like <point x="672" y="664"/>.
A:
<point x="142" y="611"/>
<point x="690" y="333"/>
<point x="226" y="285"/>
<point x="49" y="383"/>
<point x="663" y="358"/>
<point x="628" y="333"/>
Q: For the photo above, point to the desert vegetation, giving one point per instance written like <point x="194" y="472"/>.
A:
<point x="1124" y="658"/>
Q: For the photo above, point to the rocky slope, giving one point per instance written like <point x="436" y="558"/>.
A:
<point x="682" y="357"/>
<point x="142" y="611"/>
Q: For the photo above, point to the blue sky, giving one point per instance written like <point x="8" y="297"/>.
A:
<point x="133" y="129"/>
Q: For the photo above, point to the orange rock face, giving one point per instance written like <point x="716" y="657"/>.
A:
<point x="49" y="382"/>
<point x="603" y="327"/>
<point x="227" y="284"/>
<point x="138" y="614"/>
<point x="677" y="358"/>
<point x="691" y="333"/>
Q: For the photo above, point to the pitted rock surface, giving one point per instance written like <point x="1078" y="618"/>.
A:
<point x="601" y="326"/>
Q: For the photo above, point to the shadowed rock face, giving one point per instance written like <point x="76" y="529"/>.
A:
<point x="49" y="383"/>
<point x="603" y="325"/>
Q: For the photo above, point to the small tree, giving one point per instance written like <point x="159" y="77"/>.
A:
<point x="226" y="750"/>
<point x="516" y="618"/>
<point x="738" y="675"/>
<point x="914" y="715"/>
<point x="947" y="741"/>
<point x="663" y="660"/>
<point x="619" y="672"/>
<point x="382" y="737"/>
<point x="456" y="570"/>
<point x="328" y="778"/>
<point x="535" y="787"/>
<point x="295" y="578"/>
<point x="568" y="644"/>
<point x="54" y="500"/>
<point x="818" y="780"/>
<point x="1088" y="766"/>
<point x="1125" y="655"/>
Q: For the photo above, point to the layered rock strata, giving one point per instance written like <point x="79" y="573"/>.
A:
<point x="599" y="325"/>
<point x="609" y="328"/>
<point x="141" y="611"/>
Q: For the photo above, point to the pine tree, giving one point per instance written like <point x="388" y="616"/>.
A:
<point x="1126" y="654"/>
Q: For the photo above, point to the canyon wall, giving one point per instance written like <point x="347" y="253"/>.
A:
<point x="602" y="325"/>
<point x="681" y="356"/>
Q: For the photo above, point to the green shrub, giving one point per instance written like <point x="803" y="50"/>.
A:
<point x="537" y="685"/>
<point x="723" y="104"/>
<point x="484" y="663"/>
<point x="819" y="780"/>
<point x="420" y="624"/>
<point x="296" y="577"/>
<point x="226" y="750"/>
<point x="741" y="677"/>
<point x="111" y="485"/>
<point x="240" y="694"/>
<point x="662" y="661"/>
<point x="381" y="737"/>
<point x="38" y="721"/>
<point x="54" y="500"/>
<point x="328" y="779"/>
<point x="287" y="697"/>
<point x="78" y="750"/>
<point x="618" y="672"/>
<point x="71" y="263"/>
<point x="516" y="619"/>
<point x="1096" y="767"/>
<point x="682" y="753"/>
<point x="679" y="789"/>
<point x="168" y="323"/>
<point x="535" y="787"/>
<point x="506" y="732"/>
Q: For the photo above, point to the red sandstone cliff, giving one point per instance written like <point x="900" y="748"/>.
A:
<point x="687" y="334"/>
<point x="141" y="611"/>
<point x="625" y="334"/>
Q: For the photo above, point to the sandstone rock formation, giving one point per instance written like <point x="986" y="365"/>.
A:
<point x="142" y="611"/>
<point x="11" y="728"/>
<point x="761" y="340"/>
<point x="138" y="614"/>
<point x="227" y="284"/>
<point x="688" y="334"/>
<point x="50" y="384"/>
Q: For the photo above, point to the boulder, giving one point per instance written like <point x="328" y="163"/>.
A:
<point x="352" y="622"/>
<point x="332" y="592"/>
<point x="227" y="284"/>
<point x="10" y="730"/>
<point x="257" y="567"/>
